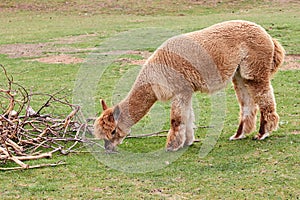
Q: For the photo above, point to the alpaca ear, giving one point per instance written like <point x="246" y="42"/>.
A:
<point x="104" y="106"/>
<point x="116" y="113"/>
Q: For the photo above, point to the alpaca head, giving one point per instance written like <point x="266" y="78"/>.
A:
<point x="106" y="127"/>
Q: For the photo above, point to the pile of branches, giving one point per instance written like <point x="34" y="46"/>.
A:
<point x="28" y="134"/>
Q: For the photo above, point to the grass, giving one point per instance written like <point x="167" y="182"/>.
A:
<point x="232" y="170"/>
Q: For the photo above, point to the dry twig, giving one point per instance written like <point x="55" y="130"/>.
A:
<point x="162" y="133"/>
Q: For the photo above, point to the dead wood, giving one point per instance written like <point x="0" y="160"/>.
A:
<point x="33" y="166"/>
<point x="26" y="134"/>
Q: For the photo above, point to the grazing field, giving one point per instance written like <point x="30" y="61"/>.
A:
<point x="44" y="45"/>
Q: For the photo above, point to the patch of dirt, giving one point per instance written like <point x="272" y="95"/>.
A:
<point x="296" y="132"/>
<point x="58" y="59"/>
<point x="144" y="54"/>
<point x="44" y="50"/>
<point x="23" y="50"/>
<point x="291" y="62"/>
<point x="34" y="50"/>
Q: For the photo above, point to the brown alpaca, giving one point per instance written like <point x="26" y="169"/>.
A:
<point x="205" y="61"/>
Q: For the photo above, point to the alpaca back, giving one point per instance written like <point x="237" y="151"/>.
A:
<point x="206" y="60"/>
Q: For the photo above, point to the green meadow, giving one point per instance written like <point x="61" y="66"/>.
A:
<point x="31" y="30"/>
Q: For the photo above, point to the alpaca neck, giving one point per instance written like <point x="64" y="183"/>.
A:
<point x="136" y="105"/>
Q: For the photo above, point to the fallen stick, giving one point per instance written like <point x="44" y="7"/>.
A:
<point x="33" y="166"/>
<point x="16" y="147"/>
<point x="14" y="158"/>
<point x="160" y="133"/>
<point x="30" y="157"/>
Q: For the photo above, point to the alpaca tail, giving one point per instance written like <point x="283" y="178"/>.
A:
<point x="278" y="56"/>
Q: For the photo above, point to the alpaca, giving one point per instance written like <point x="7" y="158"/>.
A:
<point x="205" y="60"/>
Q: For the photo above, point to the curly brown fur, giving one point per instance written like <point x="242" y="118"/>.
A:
<point x="205" y="61"/>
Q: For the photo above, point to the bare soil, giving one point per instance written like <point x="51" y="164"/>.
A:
<point x="292" y="62"/>
<point x="58" y="59"/>
<point x="45" y="51"/>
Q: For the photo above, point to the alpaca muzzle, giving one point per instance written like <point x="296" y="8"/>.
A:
<point x="109" y="146"/>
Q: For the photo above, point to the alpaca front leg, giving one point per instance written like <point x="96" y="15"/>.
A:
<point x="190" y="137"/>
<point x="180" y="111"/>
<point x="176" y="136"/>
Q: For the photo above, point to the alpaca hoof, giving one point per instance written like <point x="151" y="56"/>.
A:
<point x="189" y="143"/>
<point x="175" y="141"/>
<point x="261" y="137"/>
<point x="108" y="151"/>
<point x="242" y="136"/>
<point x="172" y="149"/>
<point x="174" y="146"/>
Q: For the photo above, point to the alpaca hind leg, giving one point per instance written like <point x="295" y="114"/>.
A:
<point x="262" y="92"/>
<point x="180" y="111"/>
<point x="248" y="108"/>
